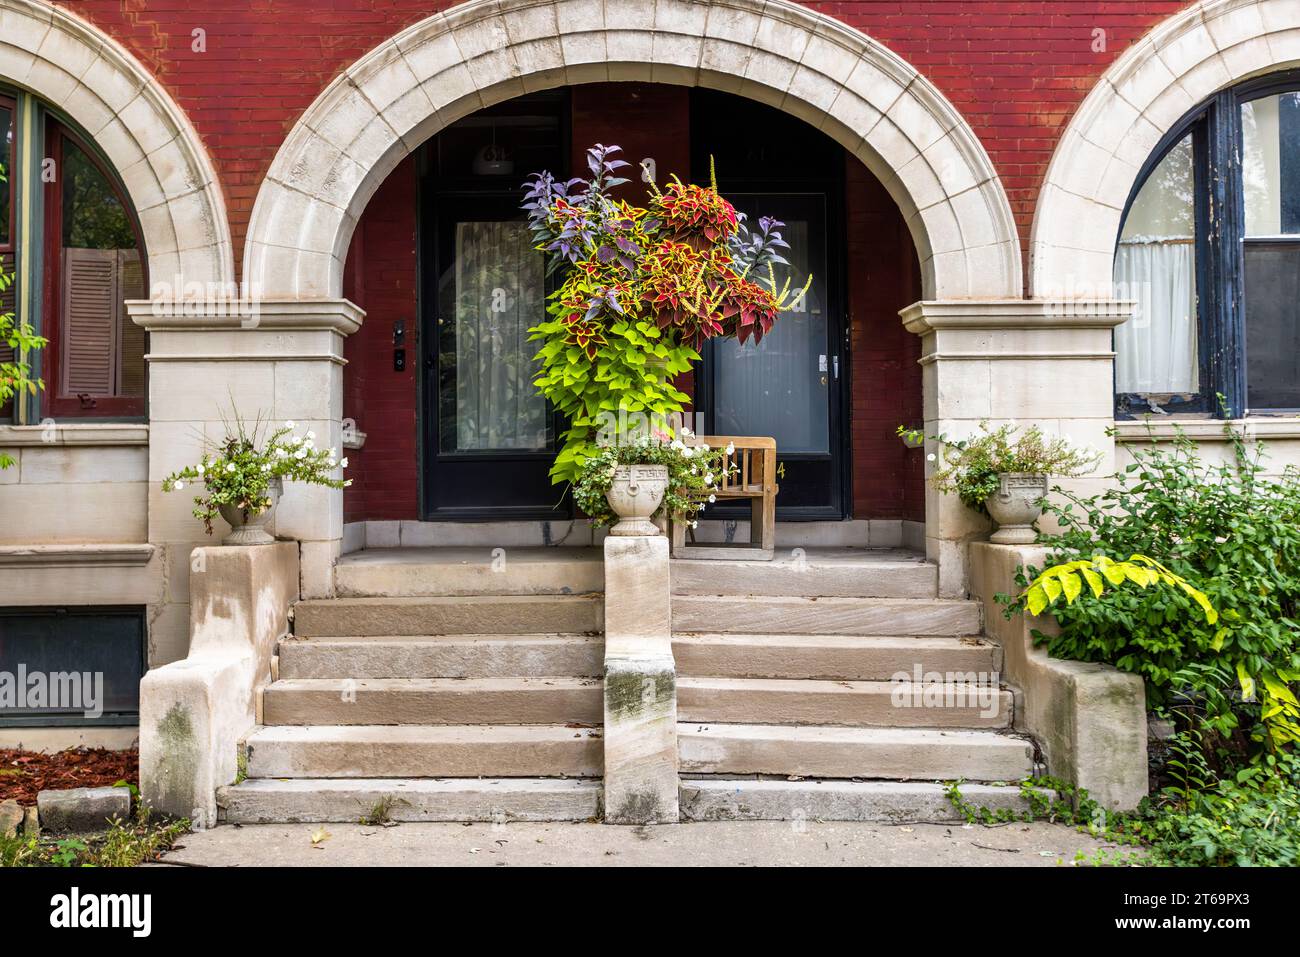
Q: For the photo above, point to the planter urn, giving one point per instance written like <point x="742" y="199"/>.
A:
<point x="247" y="527"/>
<point x="1015" y="507"/>
<point x="635" y="495"/>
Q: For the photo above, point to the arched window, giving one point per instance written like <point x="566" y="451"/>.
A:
<point x="1210" y="250"/>
<point x="70" y="239"/>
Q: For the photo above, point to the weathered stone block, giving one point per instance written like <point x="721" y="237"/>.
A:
<point x="81" y="810"/>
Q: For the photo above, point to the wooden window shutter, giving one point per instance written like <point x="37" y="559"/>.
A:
<point x="91" y="303"/>
<point x="8" y="299"/>
<point x="131" y="337"/>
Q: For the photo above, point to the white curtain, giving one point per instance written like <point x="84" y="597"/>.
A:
<point x="1155" y="351"/>
<point x="500" y="290"/>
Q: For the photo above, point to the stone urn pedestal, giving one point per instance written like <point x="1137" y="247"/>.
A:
<point x="635" y="495"/>
<point x="248" y="527"/>
<point x="1015" y="507"/>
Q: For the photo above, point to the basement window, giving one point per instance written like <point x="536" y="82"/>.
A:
<point x="73" y="666"/>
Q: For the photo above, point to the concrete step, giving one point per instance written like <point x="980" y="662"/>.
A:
<point x="832" y="656"/>
<point x="828" y="752"/>
<point x="447" y="656"/>
<point x="813" y="572"/>
<point x="424" y="751"/>
<point x="394" y="701"/>
<point x="423" y="799"/>
<point x="768" y="615"/>
<point x="409" y="572"/>
<point x="459" y="615"/>
<point x="892" y="802"/>
<point x="889" y="704"/>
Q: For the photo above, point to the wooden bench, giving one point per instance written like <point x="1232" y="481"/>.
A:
<point x="751" y="474"/>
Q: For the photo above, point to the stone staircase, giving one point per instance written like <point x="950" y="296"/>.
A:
<point x="789" y="703"/>
<point x="446" y="685"/>
<point x="465" y="684"/>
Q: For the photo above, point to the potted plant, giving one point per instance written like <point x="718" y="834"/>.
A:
<point x="243" y="477"/>
<point x="643" y="288"/>
<point x="1002" y="472"/>
<point x="635" y="481"/>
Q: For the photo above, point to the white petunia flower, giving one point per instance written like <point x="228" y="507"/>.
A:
<point x="731" y="448"/>
<point x="300" y="454"/>
<point x="931" y="457"/>
<point x="343" y="462"/>
<point x="311" y="434"/>
<point x="713" y="498"/>
<point x="178" y="486"/>
<point x="199" y="468"/>
<point x="289" y="424"/>
<point x="708" y="478"/>
<point x="230" y="466"/>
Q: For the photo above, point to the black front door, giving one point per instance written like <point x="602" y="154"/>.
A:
<point x="489" y="438"/>
<point x="793" y="385"/>
<point x="788" y="386"/>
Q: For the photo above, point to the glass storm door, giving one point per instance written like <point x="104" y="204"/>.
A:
<point x="490" y="438"/>
<point x="788" y="386"/>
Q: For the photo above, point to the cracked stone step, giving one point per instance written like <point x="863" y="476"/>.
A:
<point x="393" y="701"/>
<point x="447" y="656"/>
<point x="771" y="615"/>
<point x="501" y="800"/>
<point x="853" y="703"/>
<point x="833" y="752"/>
<point x="812" y="571"/>
<point x="413" y="572"/>
<point x="831" y="656"/>
<point x="424" y="751"/>
<point x="457" y="615"/>
<point x="891" y="802"/>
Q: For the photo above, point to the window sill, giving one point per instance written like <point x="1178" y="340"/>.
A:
<point x="75" y="433"/>
<point x="1165" y="428"/>
<point x="51" y="556"/>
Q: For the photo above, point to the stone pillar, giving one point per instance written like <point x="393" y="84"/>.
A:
<point x="1034" y="362"/>
<point x="276" y="360"/>
<point x="195" y="712"/>
<point x="641" y="783"/>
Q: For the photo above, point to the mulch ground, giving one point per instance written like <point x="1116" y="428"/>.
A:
<point x="24" y="773"/>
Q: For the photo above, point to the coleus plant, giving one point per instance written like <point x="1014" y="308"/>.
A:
<point x="643" y="289"/>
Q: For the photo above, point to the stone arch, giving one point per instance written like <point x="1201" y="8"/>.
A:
<point x="153" y="148"/>
<point x="1209" y="46"/>
<point x="485" y="51"/>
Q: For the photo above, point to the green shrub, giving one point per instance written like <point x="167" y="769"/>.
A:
<point x="1230" y="531"/>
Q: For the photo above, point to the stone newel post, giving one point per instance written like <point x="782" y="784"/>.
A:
<point x="640" y="683"/>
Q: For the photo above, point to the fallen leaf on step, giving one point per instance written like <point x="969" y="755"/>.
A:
<point x="907" y="830"/>
<point x="319" y="836"/>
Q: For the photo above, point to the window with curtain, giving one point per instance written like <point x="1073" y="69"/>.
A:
<point x="1210" y="251"/>
<point x="500" y="293"/>
<point x="98" y="364"/>
<point x="75" y="260"/>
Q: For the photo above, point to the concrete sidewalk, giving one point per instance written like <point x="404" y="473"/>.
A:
<point x="717" y="844"/>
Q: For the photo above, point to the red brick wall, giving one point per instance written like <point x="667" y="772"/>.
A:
<point x="1015" y="68"/>
<point x="883" y="277"/>
<point x="381" y="278"/>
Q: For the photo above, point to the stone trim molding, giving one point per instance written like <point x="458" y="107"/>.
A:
<point x="776" y="51"/>
<point x="922" y="317"/>
<point x="1187" y="58"/>
<point x="1166" y="428"/>
<point x="57" y="556"/>
<point x="74" y="433"/>
<point x="273" y="315"/>
<point x="167" y="172"/>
